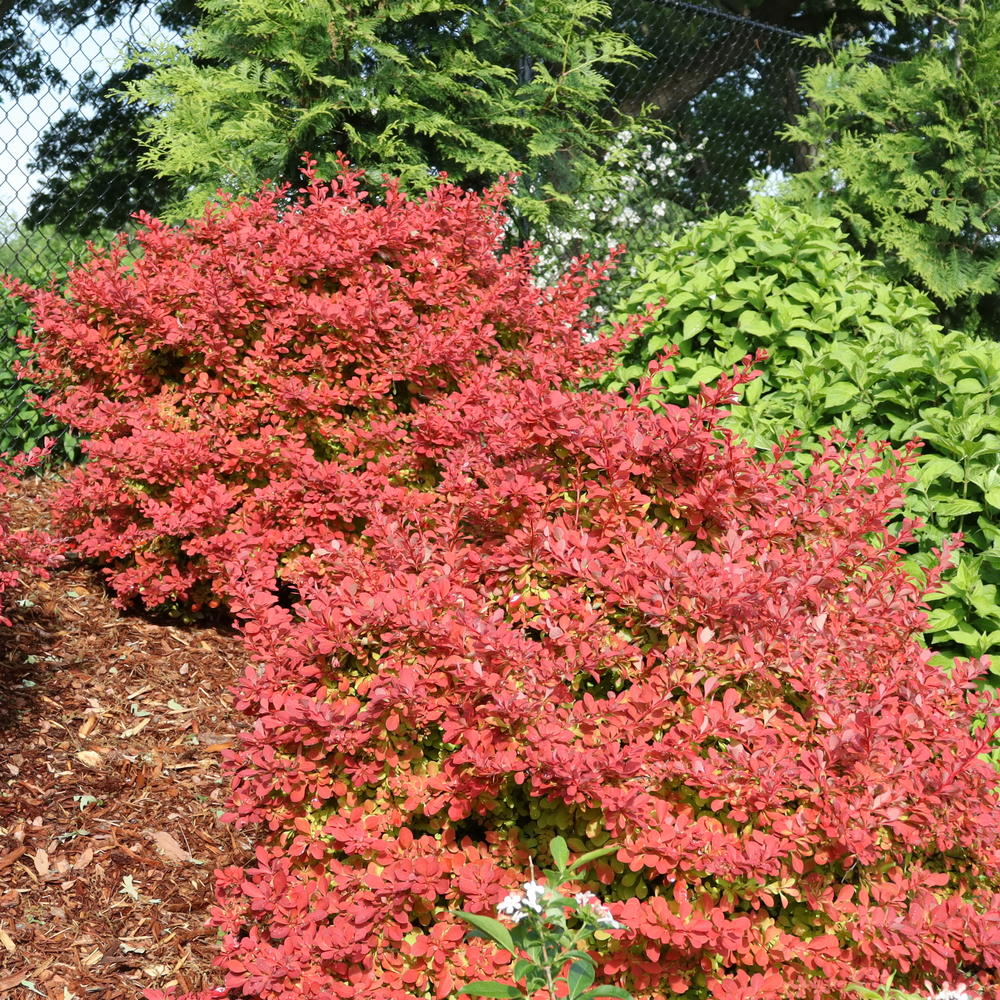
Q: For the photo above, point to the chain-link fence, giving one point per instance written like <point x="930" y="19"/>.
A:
<point x="722" y="86"/>
<point x="67" y="164"/>
<point x="725" y="85"/>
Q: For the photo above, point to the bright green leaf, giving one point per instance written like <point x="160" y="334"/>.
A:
<point x="939" y="619"/>
<point x="954" y="507"/>
<point x="490" y="927"/>
<point x="839" y="394"/>
<point x="592" y="856"/>
<point x="559" y="852"/>
<point x="606" y="991"/>
<point x="491" y="988"/>
<point x="694" y="323"/>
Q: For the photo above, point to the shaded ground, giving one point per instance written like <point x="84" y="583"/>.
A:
<point x="111" y="728"/>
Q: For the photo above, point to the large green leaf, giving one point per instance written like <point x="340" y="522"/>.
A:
<point x="592" y="856"/>
<point x="606" y="991"/>
<point x="492" y="928"/>
<point x="840" y="394"/>
<point x="939" y="619"/>
<point x="580" y="976"/>
<point x="490" y="988"/>
<point x="559" y="851"/>
<point x="955" y="506"/>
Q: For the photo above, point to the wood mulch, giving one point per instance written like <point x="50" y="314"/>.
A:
<point x="111" y="727"/>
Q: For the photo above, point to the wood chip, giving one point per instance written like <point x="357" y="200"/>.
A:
<point x="8" y="859"/>
<point x="90" y="757"/>
<point x="84" y="859"/>
<point x="41" y="859"/>
<point x="77" y="808"/>
<point x="135" y="730"/>
<point x="7" y="941"/>
<point x="169" y="847"/>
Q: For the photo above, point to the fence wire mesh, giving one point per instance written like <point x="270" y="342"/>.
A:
<point x="67" y="166"/>
<point x="721" y="85"/>
<point x="725" y="85"/>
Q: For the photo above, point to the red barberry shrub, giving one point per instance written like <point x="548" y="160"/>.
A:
<point x="29" y="551"/>
<point x="266" y="343"/>
<point x="623" y="628"/>
<point x="525" y="610"/>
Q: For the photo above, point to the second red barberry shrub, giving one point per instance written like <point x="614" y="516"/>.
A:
<point x="621" y="628"/>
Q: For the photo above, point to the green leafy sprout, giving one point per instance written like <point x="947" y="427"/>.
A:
<point x="547" y="949"/>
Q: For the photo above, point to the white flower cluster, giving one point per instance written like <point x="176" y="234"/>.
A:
<point x="947" y="992"/>
<point x="639" y="196"/>
<point x="519" y="905"/>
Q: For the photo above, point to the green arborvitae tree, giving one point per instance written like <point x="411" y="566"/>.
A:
<point x="411" y="88"/>
<point x="908" y="156"/>
<point x="721" y="85"/>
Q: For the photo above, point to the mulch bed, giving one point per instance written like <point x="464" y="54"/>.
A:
<point x="111" y="728"/>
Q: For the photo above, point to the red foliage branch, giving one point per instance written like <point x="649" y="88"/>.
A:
<point x="21" y="552"/>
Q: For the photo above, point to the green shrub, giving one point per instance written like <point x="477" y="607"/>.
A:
<point x="35" y="257"/>
<point x="847" y="351"/>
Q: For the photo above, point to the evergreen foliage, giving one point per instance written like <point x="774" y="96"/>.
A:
<point x="411" y="89"/>
<point x="907" y="156"/>
<point x="88" y="156"/>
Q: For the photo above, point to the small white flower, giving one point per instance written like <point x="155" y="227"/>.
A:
<point x="517" y="905"/>
<point x="600" y="911"/>
<point x="948" y="993"/>
<point x="534" y="892"/>
<point x="510" y="905"/>
<point x="604" y="918"/>
<point x="513" y="908"/>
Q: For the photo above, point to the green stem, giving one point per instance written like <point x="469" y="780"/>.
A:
<point x="547" y="966"/>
